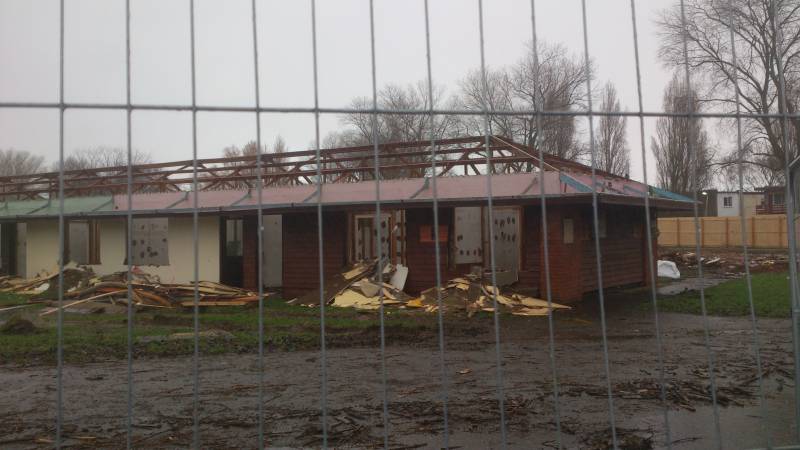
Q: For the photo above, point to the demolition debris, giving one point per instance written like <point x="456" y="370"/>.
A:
<point x="361" y="287"/>
<point x="82" y="288"/>
<point x="728" y="264"/>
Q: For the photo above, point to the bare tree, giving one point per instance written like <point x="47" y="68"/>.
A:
<point x="341" y="139"/>
<point x="251" y="149"/>
<point x="402" y="127"/>
<point x="758" y="48"/>
<point x="498" y="94"/>
<point x="99" y="157"/>
<point x="611" y="142"/>
<point x="683" y="156"/>
<point x="754" y="176"/>
<point x="395" y="127"/>
<point x="557" y="83"/>
<point x="19" y="162"/>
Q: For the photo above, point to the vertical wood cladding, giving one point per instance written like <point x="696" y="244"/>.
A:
<point x="572" y="265"/>
<point x="565" y="259"/>
<point x="529" y="274"/>
<point x="301" y="252"/>
<point x="623" y="251"/>
<point x="421" y="256"/>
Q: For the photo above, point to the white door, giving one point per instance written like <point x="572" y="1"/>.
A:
<point x="506" y="240"/>
<point x="272" y="271"/>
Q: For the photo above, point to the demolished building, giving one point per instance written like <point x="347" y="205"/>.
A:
<point x="163" y="201"/>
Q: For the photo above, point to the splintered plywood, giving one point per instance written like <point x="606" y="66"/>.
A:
<point x="468" y="245"/>
<point x="149" y="242"/>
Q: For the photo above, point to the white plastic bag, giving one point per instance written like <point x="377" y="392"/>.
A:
<point x="668" y="269"/>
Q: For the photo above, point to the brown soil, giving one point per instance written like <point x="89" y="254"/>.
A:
<point x="18" y="325"/>
<point x="95" y="405"/>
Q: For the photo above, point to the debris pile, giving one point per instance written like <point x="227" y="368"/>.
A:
<point x="81" y="286"/>
<point x="361" y="287"/>
<point x="729" y="263"/>
<point x="469" y="293"/>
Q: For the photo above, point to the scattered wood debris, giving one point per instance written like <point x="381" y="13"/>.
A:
<point x="469" y="293"/>
<point x="83" y="287"/>
<point x="360" y="287"/>
<point x="728" y="263"/>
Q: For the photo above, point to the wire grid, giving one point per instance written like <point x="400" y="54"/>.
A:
<point x="538" y="113"/>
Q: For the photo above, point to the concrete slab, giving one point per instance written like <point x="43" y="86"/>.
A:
<point x="689" y="284"/>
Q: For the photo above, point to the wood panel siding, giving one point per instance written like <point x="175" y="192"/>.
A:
<point x="529" y="274"/>
<point x="300" y="250"/>
<point x="565" y="258"/>
<point x="622" y="250"/>
<point x="420" y="254"/>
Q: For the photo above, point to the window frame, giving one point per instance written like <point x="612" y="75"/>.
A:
<point x="92" y="242"/>
<point x="727" y="201"/>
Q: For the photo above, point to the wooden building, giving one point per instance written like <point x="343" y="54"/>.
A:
<point x="457" y="177"/>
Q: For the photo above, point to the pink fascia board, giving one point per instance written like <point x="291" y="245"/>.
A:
<point x="401" y="190"/>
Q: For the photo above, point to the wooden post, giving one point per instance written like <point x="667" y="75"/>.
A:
<point x="784" y="232"/>
<point x="727" y="233"/>
<point x="702" y="223"/>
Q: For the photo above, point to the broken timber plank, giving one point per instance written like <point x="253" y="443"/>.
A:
<point x="107" y="294"/>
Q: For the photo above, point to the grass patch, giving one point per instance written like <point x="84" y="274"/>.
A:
<point x="9" y="299"/>
<point x="770" y="297"/>
<point x="97" y="337"/>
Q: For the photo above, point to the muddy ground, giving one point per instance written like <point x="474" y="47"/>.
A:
<point x="95" y="394"/>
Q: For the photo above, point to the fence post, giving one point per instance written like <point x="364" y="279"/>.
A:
<point x="727" y="233"/>
<point x="784" y="233"/>
<point x="702" y="224"/>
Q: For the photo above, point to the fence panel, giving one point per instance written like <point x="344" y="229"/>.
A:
<point x="766" y="231"/>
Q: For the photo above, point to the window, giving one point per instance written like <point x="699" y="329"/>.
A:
<point x="149" y="242"/>
<point x="83" y="242"/>
<point x="365" y="237"/>
<point x="426" y="235"/>
<point x="727" y="201"/>
<point x="233" y="237"/>
<point x="569" y="231"/>
<point x="777" y="199"/>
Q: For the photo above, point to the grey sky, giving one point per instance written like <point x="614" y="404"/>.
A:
<point x="95" y="63"/>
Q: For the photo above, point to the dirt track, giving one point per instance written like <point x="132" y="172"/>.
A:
<point x="95" y="394"/>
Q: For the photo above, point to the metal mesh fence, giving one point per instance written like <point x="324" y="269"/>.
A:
<point x="550" y="401"/>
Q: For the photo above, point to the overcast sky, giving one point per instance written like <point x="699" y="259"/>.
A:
<point x="95" y="63"/>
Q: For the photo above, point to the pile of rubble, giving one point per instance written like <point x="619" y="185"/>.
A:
<point x="470" y="294"/>
<point x="729" y="263"/>
<point x="361" y="287"/>
<point x="82" y="286"/>
<point x="689" y="259"/>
